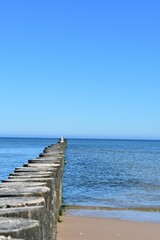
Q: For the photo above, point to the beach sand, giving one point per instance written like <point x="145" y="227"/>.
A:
<point x="91" y="228"/>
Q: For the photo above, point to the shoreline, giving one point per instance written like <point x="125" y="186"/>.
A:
<point x="129" y="215"/>
<point x="92" y="228"/>
<point x="81" y="207"/>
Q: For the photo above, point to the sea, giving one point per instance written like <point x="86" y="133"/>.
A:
<point x="102" y="178"/>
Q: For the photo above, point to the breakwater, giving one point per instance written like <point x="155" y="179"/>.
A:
<point x="30" y="198"/>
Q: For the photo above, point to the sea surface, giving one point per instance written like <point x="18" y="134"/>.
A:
<point x="14" y="152"/>
<point x="104" y="175"/>
<point x="113" y="174"/>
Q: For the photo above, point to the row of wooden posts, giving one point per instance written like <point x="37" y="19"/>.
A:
<point x="30" y="199"/>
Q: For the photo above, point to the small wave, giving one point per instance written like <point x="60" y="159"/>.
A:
<point x="79" y="207"/>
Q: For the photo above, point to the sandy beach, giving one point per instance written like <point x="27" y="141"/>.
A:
<point x="90" y="228"/>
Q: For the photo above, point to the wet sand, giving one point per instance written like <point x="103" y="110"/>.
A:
<point x="91" y="228"/>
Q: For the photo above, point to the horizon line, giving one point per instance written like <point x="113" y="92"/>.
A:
<point x="87" y="138"/>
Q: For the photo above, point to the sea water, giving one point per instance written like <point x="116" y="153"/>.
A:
<point x="14" y="152"/>
<point x="100" y="174"/>
<point x="113" y="173"/>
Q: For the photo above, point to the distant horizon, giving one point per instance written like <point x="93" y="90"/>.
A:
<point x="83" y="138"/>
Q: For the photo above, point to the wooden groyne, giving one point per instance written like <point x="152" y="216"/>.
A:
<point x="30" y="199"/>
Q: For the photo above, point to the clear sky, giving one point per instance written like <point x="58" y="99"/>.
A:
<point x="87" y="68"/>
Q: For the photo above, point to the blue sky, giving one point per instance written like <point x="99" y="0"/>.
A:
<point x="80" y="68"/>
